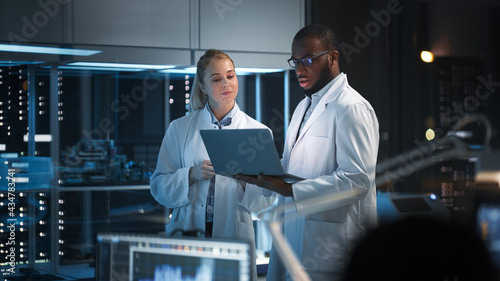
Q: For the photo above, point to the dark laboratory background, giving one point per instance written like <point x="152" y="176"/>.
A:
<point x="105" y="124"/>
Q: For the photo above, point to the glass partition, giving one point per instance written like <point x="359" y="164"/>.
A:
<point x="101" y="129"/>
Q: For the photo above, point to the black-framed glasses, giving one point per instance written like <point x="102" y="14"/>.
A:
<point x="305" y="62"/>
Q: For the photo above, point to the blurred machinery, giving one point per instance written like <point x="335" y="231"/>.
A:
<point x="96" y="162"/>
<point x="392" y="205"/>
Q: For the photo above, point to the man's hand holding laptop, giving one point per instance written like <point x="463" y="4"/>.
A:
<point x="276" y="184"/>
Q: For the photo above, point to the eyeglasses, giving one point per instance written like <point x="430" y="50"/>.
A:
<point x="305" y="62"/>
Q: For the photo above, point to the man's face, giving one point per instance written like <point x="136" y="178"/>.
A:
<point x="314" y="77"/>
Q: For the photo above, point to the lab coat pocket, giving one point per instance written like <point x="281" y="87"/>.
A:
<point x="318" y="154"/>
<point x="245" y="230"/>
<point x="324" y="247"/>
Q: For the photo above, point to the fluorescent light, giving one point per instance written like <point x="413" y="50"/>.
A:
<point x="46" y="50"/>
<point x="39" y="138"/>
<point x="103" y="68"/>
<point x="189" y="70"/>
<point x="11" y="63"/>
<point x="258" y="70"/>
<point x="3" y="147"/>
<point x="239" y="70"/>
<point x="121" y="65"/>
<point x="20" y="164"/>
<point x="8" y="155"/>
<point x="461" y="134"/>
<point x="22" y="179"/>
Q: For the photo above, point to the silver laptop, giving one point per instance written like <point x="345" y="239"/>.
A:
<point x="244" y="151"/>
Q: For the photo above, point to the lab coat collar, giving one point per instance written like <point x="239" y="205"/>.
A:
<point x="207" y="116"/>
<point x="335" y="89"/>
<point x="321" y="93"/>
<point x="330" y="95"/>
<point x="226" y="120"/>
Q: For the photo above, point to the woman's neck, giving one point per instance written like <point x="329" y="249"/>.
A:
<point x="221" y="110"/>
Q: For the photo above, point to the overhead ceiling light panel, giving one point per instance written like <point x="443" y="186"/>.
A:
<point x="121" y="65"/>
<point x="102" y="68"/>
<point x="257" y="70"/>
<point x="12" y="63"/>
<point x="189" y="70"/>
<point x="39" y="138"/>
<point x="46" y="50"/>
<point x="239" y="70"/>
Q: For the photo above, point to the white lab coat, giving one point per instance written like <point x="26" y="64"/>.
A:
<point x="337" y="150"/>
<point x="182" y="148"/>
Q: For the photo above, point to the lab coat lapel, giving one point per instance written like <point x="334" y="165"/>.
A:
<point x="329" y="96"/>
<point x="236" y="119"/>
<point x="206" y="120"/>
<point x="294" y="128"/>
<point x="317" y="111"/>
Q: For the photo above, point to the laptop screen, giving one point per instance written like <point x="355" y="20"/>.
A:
<point x="148" y="257"/>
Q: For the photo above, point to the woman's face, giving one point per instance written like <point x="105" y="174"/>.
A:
<point x="220" y="83"/>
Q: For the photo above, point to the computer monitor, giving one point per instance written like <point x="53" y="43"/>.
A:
<point x="487" y="222"/>
<point x="152" y="257"/>
<point x="392" y="206"/>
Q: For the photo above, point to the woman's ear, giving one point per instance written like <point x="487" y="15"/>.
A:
<point x="202" y="88"/>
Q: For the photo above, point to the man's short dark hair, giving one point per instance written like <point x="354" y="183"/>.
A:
<point x="323" y="32"/>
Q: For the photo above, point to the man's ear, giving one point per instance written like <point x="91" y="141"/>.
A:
<point x="334" y="57"/>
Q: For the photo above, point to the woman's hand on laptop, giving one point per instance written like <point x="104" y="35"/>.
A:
<point x="203" y="171"/>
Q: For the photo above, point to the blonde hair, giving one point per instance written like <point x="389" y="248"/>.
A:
<point x="197" y="98"/>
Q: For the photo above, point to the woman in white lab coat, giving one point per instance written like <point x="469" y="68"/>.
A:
<point x="184" y="175"/>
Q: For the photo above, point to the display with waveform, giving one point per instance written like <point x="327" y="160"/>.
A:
<point x="167" y="272"/>
<point x="155" y="266"/>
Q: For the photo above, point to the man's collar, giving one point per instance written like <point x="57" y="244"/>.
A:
<point x="323" y="90"/>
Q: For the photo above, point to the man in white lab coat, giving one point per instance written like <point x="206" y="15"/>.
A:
<point x="332" y="142"/>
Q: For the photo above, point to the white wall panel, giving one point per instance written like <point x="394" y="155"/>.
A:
<point x="151" y="23"/>
<point x="27" y="21"/>
<point x="257" y="33"/>
<point x="250" y="25"/>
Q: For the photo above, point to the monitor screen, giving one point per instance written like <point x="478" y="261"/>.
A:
<point x="148" y="257"/>
<point x="488" y="224"/>
<point x="485" y="218"/>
